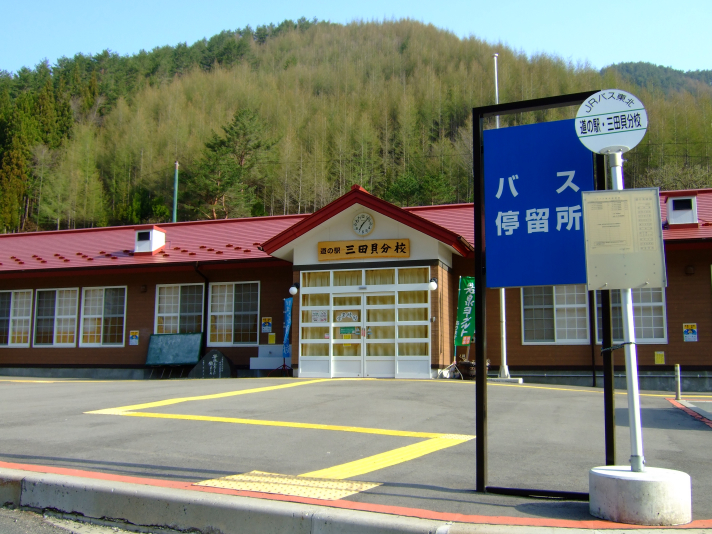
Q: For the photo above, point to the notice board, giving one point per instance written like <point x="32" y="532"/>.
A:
<point x="174" y="349"/>
<point x="624" y="239"/>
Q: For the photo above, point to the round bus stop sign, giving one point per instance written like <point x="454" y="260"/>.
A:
<point x="611" y="121"/>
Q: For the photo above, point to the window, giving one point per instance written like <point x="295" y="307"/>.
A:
<point x="234" y="314"/>
<point x="15" y="316"/>
<point x="179" y="309"/>
<point x="648" y="315"/>
<point x="56" y="317"/>
<point x="103" y="316"/>
<point x="555" y="314"/>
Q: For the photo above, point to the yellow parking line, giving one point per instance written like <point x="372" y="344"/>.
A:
<point x="287" y="424"/>
<point x="168" y="402"/>
<point x="387" y="459"/>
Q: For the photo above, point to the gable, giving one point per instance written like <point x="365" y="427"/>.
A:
<point x="281" y="245"/>
<point x="303" y="250"/>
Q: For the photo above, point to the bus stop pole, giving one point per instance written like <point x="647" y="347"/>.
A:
<point x="637" y="460"/>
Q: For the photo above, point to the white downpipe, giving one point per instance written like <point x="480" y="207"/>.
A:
<point x="637" y="460"/>
<point x="503" y="369"/>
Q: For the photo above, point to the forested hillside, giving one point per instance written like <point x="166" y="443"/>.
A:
<point x="283" y="119"/>
<point x="657" y="77"/>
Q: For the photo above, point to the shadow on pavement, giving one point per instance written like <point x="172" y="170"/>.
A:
<point x="664" y="418"/>
<point x="557" y="510"/>
<point x="127" y="469"/>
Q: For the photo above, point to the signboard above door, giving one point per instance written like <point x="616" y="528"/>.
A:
<point x="359" y="250"/>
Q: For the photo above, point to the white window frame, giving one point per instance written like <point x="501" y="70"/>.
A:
<point x="54" y="337"/>
<point x="82" y="317"/>
<point x="202" y="306"/>
<point x="11" y="345"/>
<point x="557" y="341"/>
<point x="641" y="340"/>
<point x="210" y="314"/>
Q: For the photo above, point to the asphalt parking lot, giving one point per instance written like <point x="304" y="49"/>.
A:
<point x="415" y="439"/>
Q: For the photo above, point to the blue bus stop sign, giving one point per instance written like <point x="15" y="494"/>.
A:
<point x="534" y="176"/>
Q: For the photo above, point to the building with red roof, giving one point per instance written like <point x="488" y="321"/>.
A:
<point x="374" y="285"/>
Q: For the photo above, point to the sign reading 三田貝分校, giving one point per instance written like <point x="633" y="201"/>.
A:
<point x="534" y="176"/>
<point x="370" y="248"/>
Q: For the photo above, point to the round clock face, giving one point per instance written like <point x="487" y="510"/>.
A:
<point x="363" y="224"/>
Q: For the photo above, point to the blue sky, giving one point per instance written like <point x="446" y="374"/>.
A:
<point x="601" y="33"/>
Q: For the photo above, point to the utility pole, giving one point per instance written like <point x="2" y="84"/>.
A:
<point x="175" y="194"/>
<point x="503" y="369"/>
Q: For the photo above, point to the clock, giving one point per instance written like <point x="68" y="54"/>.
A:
<point x="363" y="224"/>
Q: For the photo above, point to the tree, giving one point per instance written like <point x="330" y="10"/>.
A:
<point x="673" y="176"/>
<point x="223" y="183"/>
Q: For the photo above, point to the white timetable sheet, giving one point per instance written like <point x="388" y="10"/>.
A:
<point x="624" y="241"/>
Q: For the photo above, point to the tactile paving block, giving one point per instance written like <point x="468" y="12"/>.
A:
<point x="295" y="486"/>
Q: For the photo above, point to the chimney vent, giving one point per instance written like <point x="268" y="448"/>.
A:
<point x="150" y="240"/>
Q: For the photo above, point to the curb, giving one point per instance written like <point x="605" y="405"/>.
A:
<point x="185" y="510"/>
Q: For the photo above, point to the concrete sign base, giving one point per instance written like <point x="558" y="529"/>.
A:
<point x="656" y="496"/>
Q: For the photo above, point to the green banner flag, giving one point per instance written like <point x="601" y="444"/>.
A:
<point x="465" y="325"/>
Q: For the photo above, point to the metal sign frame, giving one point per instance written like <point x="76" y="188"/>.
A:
<point x="478" y="116"/>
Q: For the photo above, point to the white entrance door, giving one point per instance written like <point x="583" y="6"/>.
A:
<point x="347" y="330"/>
<point x="347" y="335"/>
<point x="363" y="335"/>
<point x="380" y="340"/>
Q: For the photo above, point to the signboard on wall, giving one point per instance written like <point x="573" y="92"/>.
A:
<point x="359" y="250"/>
<point x="624" y="239"/>
<point x="534" y="177"/>
<point x="689" y="332"/>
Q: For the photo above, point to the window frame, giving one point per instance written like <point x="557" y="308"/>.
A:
<point x="202" y="306"/>
<point x="643" y="340"/>
<point x="82" y="317"/>
<point x="11" y="345"/>
<point x="54" y="335"/>
<point x="557" y="341"/>
<point x="210" y="314"/>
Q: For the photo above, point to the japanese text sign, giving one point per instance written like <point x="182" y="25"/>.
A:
<point x="358" y="250"/>
<point x="465" y="325"/>
<point x="534" y="176"/>
<point x="611" y="121"/>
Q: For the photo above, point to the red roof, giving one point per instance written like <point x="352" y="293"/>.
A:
<point x="358" y="195"/>
<point x="186" y="242"/>
<point x="237" y="240"/>
<point x="227" y="240"/>
<point x="703" y="230"/>
<point x="456" y="217"/>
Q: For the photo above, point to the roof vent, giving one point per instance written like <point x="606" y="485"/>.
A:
<point x="682" y="211"/>
<point x="150" y="240"/>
